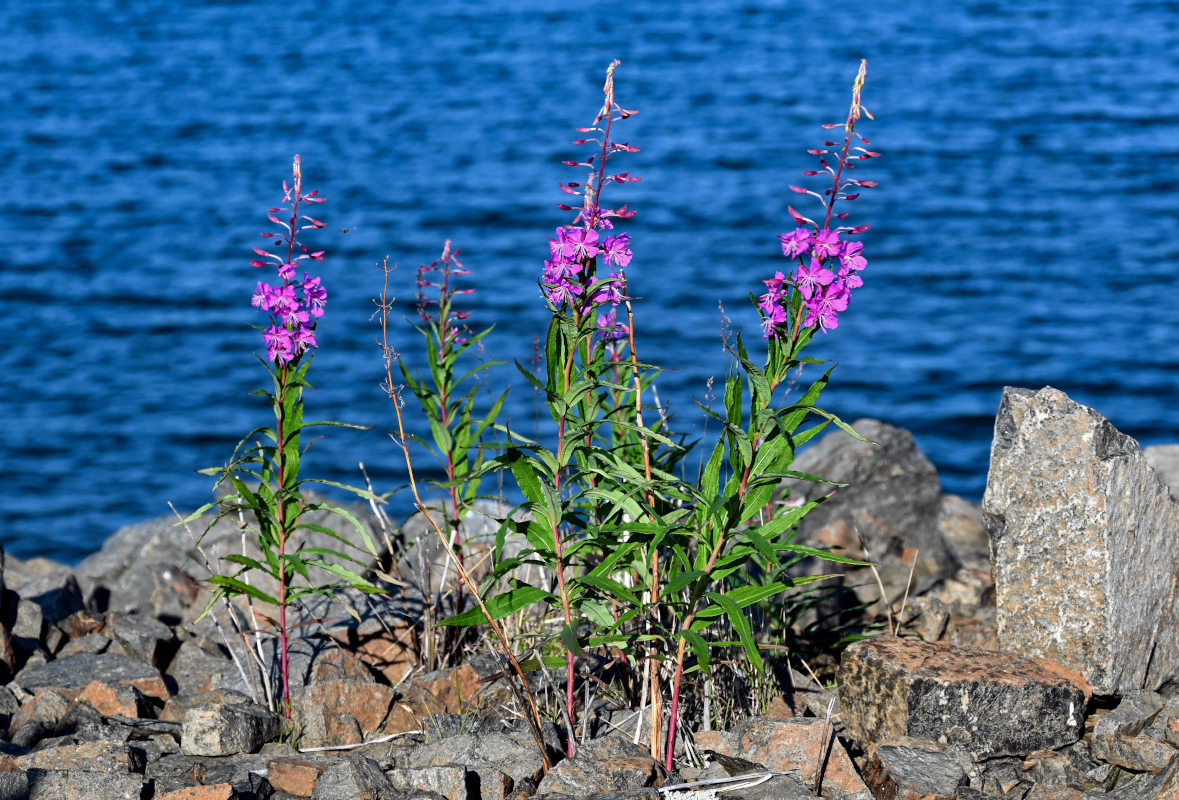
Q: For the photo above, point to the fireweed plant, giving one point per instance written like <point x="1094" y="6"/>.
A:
<point x="264" y="471"/>
<point x="447" y="397"/>
<point x="643" y="563"/>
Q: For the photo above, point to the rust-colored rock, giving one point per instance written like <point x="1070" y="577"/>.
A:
<point x="295" y="776"/>
<point x="118" y="700"/>
<point x="341" y="712"/>
<point x="99" y="756"/>
<point x="988" y="702"/>
<point x="783" y="744"/>
<point x="216" y="791"/>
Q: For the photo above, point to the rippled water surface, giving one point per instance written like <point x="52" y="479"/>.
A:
<point x="1024" y="231"/>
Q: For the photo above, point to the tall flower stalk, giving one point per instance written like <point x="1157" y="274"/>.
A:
<point x="271" y="456"/>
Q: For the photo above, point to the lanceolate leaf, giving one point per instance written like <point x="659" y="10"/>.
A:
<point x="501" y="605"/>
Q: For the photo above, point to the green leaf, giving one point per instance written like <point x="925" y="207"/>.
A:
<point x="501" y="605"/>
<point x="741" y="625"/>
<point x="823" y="554"/>
<point x="240" y="587"/>
<point x="699" y="647"/>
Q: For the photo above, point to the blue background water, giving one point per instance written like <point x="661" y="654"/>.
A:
<point x="1024" y="232"/>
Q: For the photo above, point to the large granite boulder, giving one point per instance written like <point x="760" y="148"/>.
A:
<point x="1085" y="543"/>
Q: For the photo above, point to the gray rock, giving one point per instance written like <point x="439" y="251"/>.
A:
<point x="193" y="668"/>
<point x="920" y="767"/>
<point x="515" y="754"/>
<point x="14" y="785"/>
<point x="97" y="756"/>
<point x="451" y="781"/>
<point x="142" y="637"/>
<point x="78" y="671"/>
<point x="609" y="764"/>
<point x="1133" y="714"/>
<point x="893" y="500"/>
<point x="779" y="787"/>
<point x="52" y="586"/>
<point x="8" y="706"/>
<point x="1083" y="534"/>
<point x="228" y="729"/>
<point x="990" y="703"/>
<point x="1136" y="753"/>
<point x="352" y="777"/>
<point x="965" y="533"/>
<point x="245" y="773"/>
<point x="58" y="784"/>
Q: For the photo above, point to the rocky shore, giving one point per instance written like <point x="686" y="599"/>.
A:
<point x="1037" y="657"/>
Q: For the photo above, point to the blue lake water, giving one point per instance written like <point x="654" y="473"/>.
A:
<point x="1025" y="232"/>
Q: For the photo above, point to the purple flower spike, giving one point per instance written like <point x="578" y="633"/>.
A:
<point x="291" y="332"/>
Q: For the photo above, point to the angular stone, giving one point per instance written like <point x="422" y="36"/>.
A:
<point x="74" y="673"/>
<point x="118" y="700"/>
<point x="59" y="784"/>
<point x="223" y="730"/>
<point x="194" y="669"/>
<point x="1083" y="534"/>
<point x="142" y="637"/>
<point x="340" y="712"/>
<point x="448" y="781"/>
<point x="893" y="500"/>
<point x="514" y="753"/>
<point x="988" y="702"/>
<point x="916" y="768"/>
<point x="459" y="689"/>
<point x="38" y="717"/>
<point x="48" y="584"/>
<point x="1164" y="460"/>
<point x="785" y="744"/>
<point x="176" y="707"/>
<point x="91" y="643"/>
<point x="1135" y="753"/>
<point x="610" y="764"/>
<point x="246" y="773"/>
<point x="1133" y="714"/>
<point x="295" y="776"/>
<point x="147" y="568"/>
<point x="965" y="533"/>
<point x="100" y="756"/>
<point x="352" y="777"/>
<point x="9" y="705"/>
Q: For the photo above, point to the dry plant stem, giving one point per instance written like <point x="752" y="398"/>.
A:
<point x="908" y="585"/>
<point x="522" y="693"/>
<point x="828" y="732"/>
<point x="892" y="629"/>
<point x="656" y="692"/>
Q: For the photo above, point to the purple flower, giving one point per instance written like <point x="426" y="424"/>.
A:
<point x="826" y="244"/>
<point x="610" y="291"/>
<point x="850" y="256"/>
<point x="304" y="338"/>
<point x="775" y="315"/>
<point x="813" y="278"/>
<point x="611" y="329"/>
<point x="278" y="344"/>
<point x="286" y="271"/>
<point x="584" y="243"/>
<point x="823" y="310"/>
<point x="850" y="279"/>
<point x="617" y="249"/>
<point x="796" y="243"/>
<point x="314" y="295"/>
<point x="262" y="299"/>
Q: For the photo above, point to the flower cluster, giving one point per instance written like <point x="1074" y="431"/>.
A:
<point x="440" y="311"/>
<point x="828" y="269"/>
<point x="824" y="291"/>
<point x="570" y="275"/>
<point x="297" y="304"/>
